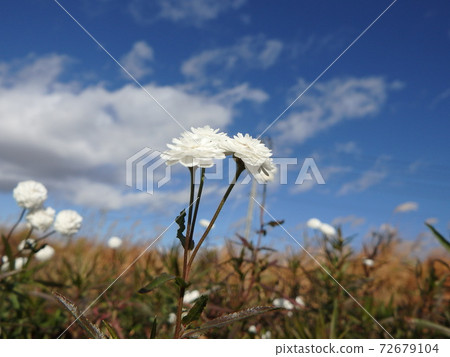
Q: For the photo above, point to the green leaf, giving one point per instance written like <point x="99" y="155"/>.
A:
<point x="110" y="329"/>
<point x="230" y="318"/>
<point x="440" y="237"/>
<point x="430" y="325"/>
<point x="92" y="330"/>
<point x="163" y="278"/>
<point x="180" y="220"/>
<point x="276" y="223"/>
<point x="153" y="333"/>
<point x="196" y="310"/>
<point x="181" y="282"/>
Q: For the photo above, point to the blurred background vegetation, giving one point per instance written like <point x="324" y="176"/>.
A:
<point x="408" y="296"/>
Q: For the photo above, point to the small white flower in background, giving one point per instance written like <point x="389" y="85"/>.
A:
<point x="198" y="147"/>
<point x="114" y="242"/>
<point x="68" y="222"/>
<point x="313" y="223"/>
<point x="368" y="262"/>
<point x="284" y="303"/>
<point x="191" y="296"/>
<point x="18" y="264"/>
<point x="45" y="253"/>
<point x="252" y="329"/>
<point x="205" y="223"/>
<point x="4" y="259"/>
<point x="254" y="154"/>
<point x="41" y="219"/>
<point x="266" y="335"/>
<point x="299" y="300"/>
<point x="30" y="194"/>
<point x="26" y="245"/>
<point x="172" y="318"/>
<point x="328" y="230"/>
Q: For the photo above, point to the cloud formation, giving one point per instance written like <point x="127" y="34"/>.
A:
<point x="406" y="207"/>
<point x="250" y="52"/>
<point x="137" y="61"/>
<point x="194" y="12"/>
<point x="76" y="138"/>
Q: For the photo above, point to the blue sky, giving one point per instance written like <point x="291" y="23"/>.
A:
<point x="376" y="123"/>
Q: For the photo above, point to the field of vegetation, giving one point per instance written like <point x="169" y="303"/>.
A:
<point x="408" y="297"/>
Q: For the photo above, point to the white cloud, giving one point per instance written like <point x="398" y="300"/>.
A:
<point x="349" y="147"/>
<point x="328" y="103"/>
<point x="193" y="12"/>
<point x="138" y="59"/>
<point x="407" y="207"/>
<point x="76" y="139"/>
<point x="368" y="178"/>
<point x="353" y="220"/>
<point x="239" y="93"/>
<point x="327" y="172"/>
<point x="250" y="51"/>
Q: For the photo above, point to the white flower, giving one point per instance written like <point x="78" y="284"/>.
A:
<point x="4" y="259"/>
<point x="255" y="155"/>
<point x="26" y="245"/>
<point x="172" y="318"/>
<point x="191" y="296"/>
<point x="252" y="329"/>
<point x="198" y="147"/>
<point x="266" y="335"/>
<point x="18" y="264"/>
<point x="299" y="300"/>
<point x="45" y="253"/>
<point x="30" y="194"/>
<point x="41" y="219"/>
<point x="328" y="230"/>
<point x="205" y="223"/>
<point x="314" y="223"/>
<point x="284" y="303"/>
<point x="368" y="262"/>
<point x="68" y="222"/>
<point x="114" y="242"/>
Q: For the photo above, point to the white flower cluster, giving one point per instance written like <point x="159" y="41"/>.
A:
<point x="201" y="146"/>
<point x="31" y="196"/>
<point x="114" y="242"/>
<point x="287" y="304"/>
<point x="325" y="228"/>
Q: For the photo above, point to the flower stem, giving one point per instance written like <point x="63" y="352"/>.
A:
<point x="240" y="167"/>
<point x="187" y="242"/>
<point x="15" y="225"/>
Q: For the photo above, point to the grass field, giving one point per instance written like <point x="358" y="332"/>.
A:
<point x="408" y="297"/>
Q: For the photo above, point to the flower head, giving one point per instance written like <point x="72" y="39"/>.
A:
<point x="284" y="303"/>
<point x="266" y="335"/>
<point x="68" y="222"/>
<point x="198" y="147"/>
<point x="27" y="245"/>
<point x="41" y="219"/>
<point x="18" y="264"/>
<point x="328" y="230"/>
<point x="172" y="318"/>
<point x="252" y="329"/>
<point x="368" y="262"/>
<point x="30" y="194"/>
<point x="314" y="223"/>
<point x="299" y="300"/>
<point x="45" y="253"/>
<point x="254" y="154"/>
<point x="114" y="242"/>
<point x="191" y="296"/>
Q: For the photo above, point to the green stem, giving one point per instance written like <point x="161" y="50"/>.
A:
<point x="16" y="224"/>
<point x="240" y="167"/>
<point x="185" y="256"/>
<point x="197" y="202"/>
